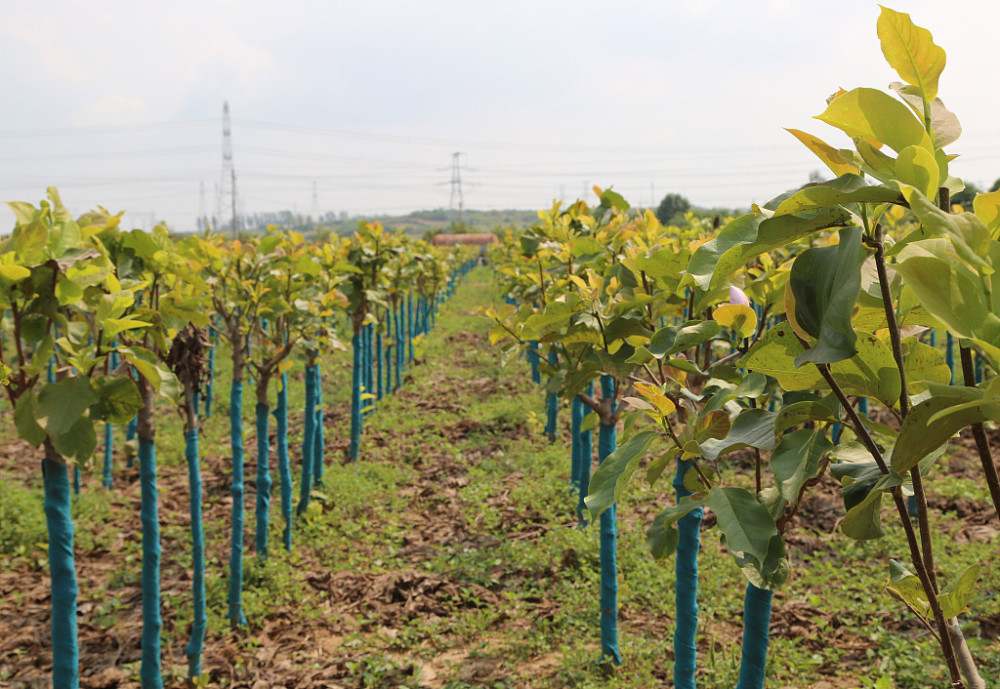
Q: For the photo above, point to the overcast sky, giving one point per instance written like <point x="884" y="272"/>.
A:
<point x="359" y="106"/>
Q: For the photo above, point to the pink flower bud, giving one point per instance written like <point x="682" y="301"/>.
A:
<point x="738" y="296"/>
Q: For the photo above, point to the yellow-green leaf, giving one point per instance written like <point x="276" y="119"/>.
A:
<point x="825" y="152"/>
<point x="870" y="113"/>
<point x="910" y="50"/>
<point x="737" y="317"/>
<point x="987" y="207"/>
<point x="916" y="166"/>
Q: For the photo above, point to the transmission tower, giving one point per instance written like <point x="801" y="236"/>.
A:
<point x="456" y="184"/>
<point x="227" y="199"/>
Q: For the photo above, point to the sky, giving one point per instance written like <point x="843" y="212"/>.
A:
<point x="359" y="107"/>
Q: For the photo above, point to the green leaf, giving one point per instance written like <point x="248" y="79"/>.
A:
<point x="826" y="282"/>
<point x="863" y="522"/>
<point x="25" y="412"/>
<point x="910" y="50"/>
<point x="956" y="595"/>
<point x="749" y="236"/>
<point x="589" y="421"/>
<point x="714" y="424"/>
<point x="113" y="326"/>
<point x="871" y="373"/>
<point x="662" y="537"/>
<point x="79" y="442"/>
<point x="905" y="586"/>
<point x="62" y="404"/>
<point x="803" y="412"/>
<point x="920" y="435"/>
<point x="753" y="427"/>
<point x="616" y="472"/>
<point x="923" y="364"/>
<point x="118" y="399"/>
<point x="692" y="334"/>
<point x="796" y="460"/>
<point x="746" y="524"/>
<point x="848" y="188"/>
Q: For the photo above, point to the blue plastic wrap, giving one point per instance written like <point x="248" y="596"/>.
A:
<point x="236" y="615"/>
<point x="607" y="441"/>
<point x="284" y="464"/>
<point x="199" y="625"/>
<point x="62" y="573"/>
<point x="686" y="586"/>
<point x="307" y="440"/>
<point x="756" y="627"/>
<point x="152" y="622"/>
<point x="263" y="481"/>
<point x="355" y="446"/>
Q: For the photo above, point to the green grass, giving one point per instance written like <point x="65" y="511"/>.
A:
<point x="458" y="490"/>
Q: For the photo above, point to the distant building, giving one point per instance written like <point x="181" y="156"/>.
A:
<point x="465" y="239"/>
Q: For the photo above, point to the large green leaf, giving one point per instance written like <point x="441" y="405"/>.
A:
<point x="753" y="428"/>
<point x="78" y="442"/>
<point x="118" y="399"/>
<point x="848" y="188"/>
<point x="62" y="404"/>
<point x="826" y="282"/>
<point x="926" y="428"/>
<point x="871" y="373"/>
<point x="863" y="522"/>
<point x="746" y="525"/>
<point x="616" y="471"/>
<point x="804" y="412"/>
<point x="796" y="460"/>
<point x="749" y="236"/>
<point x="923" y="364"/>
<point x="25" y="412"/>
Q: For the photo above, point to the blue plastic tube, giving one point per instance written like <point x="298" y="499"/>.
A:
<point x="109" y="440"/>
<point x="552" y="406"/>
<point x="686" y="587"/>
<point x="586" y="460"/>
<point x="196" y="644"/>
<point x="355" y="446"/>
<point x="284" y="464"/>
<point x="152" y="621"/>
<point x="62" y="574"/>
<point x="536" y="375"/>
<point x="756" y="626"/>
<point x="319" y="444"/>
<point x="263" y="480"/>
<point x="378" y="365"/>
<point x="607" y="441"/>
<point x="949" y="356"/>
<point x="307" y="440"/>
<point x="399" y="349"/>
<point x="409" y="327"/>
<point x="575" y="420"/>
<point x="236" y="616"/>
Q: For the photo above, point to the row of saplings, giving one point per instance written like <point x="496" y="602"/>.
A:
<point x="102" y="322"/>
<point x="677" y="327"/>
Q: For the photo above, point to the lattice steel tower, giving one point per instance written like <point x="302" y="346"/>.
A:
<point x="456" y="184"/>
<point x="227" y="200"/>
